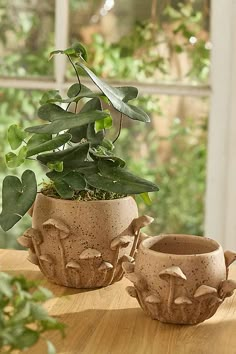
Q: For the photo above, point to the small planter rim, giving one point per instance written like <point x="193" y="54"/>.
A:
<point x="60" y="200"/>
<point x="145" y="246"/>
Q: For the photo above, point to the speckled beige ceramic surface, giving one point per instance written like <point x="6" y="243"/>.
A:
<point x="180" y="278"/>
<point x="83" y="244"/>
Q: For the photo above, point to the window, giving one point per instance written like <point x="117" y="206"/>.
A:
<point x="164" y="51"/>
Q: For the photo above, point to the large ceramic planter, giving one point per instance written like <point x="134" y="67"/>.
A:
<point x="180" y="278"/>
<point x="83" y="244"/>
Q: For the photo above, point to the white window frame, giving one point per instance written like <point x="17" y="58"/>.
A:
<point x="220" y="215"/>
<point x="220" y="221"/>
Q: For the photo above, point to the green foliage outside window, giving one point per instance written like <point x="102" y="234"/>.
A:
<point x="178" y="207"/>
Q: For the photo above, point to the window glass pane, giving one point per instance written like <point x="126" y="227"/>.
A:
<point x="16" y="107"/>
<point x="26" y="37"/>
<point x="171" y="151"/>
<point x="144" y="40"/>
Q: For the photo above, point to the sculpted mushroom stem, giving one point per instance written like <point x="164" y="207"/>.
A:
<point x="75" y="272"/>
<point x="230" y="257"/>
<point x="183" y="302"/>
<point x="105" y="268"/>
<point x="61" y="231"/>
<point x="203" y="293"/>
<point x="116" y="244"/>
<point x="90" y="254"/>
<point x="170" y="275"/>
<point x="32" y="239"/>
<point x="137" y="225"/>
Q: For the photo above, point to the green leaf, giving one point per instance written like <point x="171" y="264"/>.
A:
<point x="56" y="166"/>
<point x="50" y="111"/>
<point x="88" y="168"/>
<point x="27" y="339"/>
<point x="92" y="105"/>
<point x="127" y="93"/>
<point x="115" y="97"/>
<point x="13" y="160"/>
<point x="63" y="189"/>
<point x="87" y="131"/>
<point x="50" y="145"/>
<point x="105" y="123"/>
<point x="108" y="144"/>
<point x="77" y="50"/>
<point x="117" y="180"/>
<point x="146" y="198"/>
<point x="74" y="90"/>
<point x="5" y="285"/>
<point x="78" y="152"/>
<point x="17" y="197"/>
<point x="96" y="155"/>
<point x="75" y="180"/>
<point x="51" y="348"/>
<point x="80" y="50"/>
<point x="42" y="294"/>
<point x="67" y="121"/>
<point x="93" y="137"/>
<point x="22" y="314"/>
<point x="82" y="93"/>
<point x="38" y="139"/>
<point x="52" y="324"/>
<point x="50" y="96"/>
<point x="15" y="136"/>
<point x="54" y="52"/>
<point x="38" y="312"/>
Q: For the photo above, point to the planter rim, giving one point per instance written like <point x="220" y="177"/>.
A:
<point x="85" y="201"/>
<point x="146" y="244"/>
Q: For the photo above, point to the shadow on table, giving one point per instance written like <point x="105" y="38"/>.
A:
<point x="116" y="331"/>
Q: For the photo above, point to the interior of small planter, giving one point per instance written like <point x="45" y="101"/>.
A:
<point x="184" y="245"/>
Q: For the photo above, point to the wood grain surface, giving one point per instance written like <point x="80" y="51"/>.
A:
<point x="108" y="321"/>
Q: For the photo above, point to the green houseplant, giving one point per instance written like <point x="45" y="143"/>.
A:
<point x="85" y="181"/>
<point x="23" y="320"/>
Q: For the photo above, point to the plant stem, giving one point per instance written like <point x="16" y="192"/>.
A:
<point x="76" y="72"/>
<point x="68" y="106"/>
<point x="76" y="105"/>
<point x="121" y="121"/>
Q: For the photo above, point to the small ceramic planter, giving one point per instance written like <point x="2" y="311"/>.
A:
<point x="180" y="278"/>
<point x="83" y="244"/>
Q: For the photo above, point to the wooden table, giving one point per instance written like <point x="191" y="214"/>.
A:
<point x="108" y="321"/>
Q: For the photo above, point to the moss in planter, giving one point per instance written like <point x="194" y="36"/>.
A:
<point x="84" y="195"/>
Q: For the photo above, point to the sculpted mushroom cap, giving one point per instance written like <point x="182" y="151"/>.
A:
<point x="121" y="241"/>
<point x="73" y="265"/>
<point x="25" y="241"/>
<point x="204" y="290"/>
<point x="227" y="288"/>
<point x="230" y="257"/>
<point x="90" y="253"/>
<point x="182" y="300"/>
<point x="105" y="266"/>
<point x="46" y="258"/>
<point x="59" y="225"/>
<point x="128" y="267"/>
<point x="172" y="272"/>
<point x="141" y="221"/>
<point x="30" y="234"/>
<point x="152" y="299"/>
<point x="131" y="291"/>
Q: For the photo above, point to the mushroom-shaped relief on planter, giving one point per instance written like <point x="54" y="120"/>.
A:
<point x="32" y="239"/>
<point x="172" y="287"/>
<point x="123" y="241"/>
